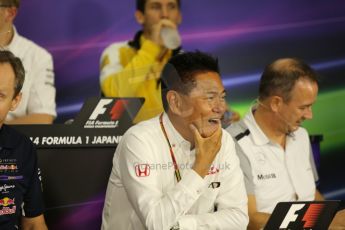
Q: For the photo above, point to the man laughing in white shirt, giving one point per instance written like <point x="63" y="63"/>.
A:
<point x="179" y="170"/>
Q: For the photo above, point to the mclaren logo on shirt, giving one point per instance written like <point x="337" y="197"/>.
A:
<point x="107" y="113"/>
<point x="266" y="176"/>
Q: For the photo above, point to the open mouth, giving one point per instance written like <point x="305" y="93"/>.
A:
<point x="214" y="121"/>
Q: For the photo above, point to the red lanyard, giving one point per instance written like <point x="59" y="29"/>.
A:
<point x="177" y="171"/>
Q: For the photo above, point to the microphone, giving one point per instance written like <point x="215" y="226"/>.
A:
<point x="170" y="37"/>
<point x="69" y="122"/>
<point x="289" y="131"/>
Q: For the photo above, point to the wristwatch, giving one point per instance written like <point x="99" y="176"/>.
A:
<point x="175" y="227"/>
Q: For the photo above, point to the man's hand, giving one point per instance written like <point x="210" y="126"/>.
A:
<point x="34" y="223"/>
<point x="155" y="33"/>
<point x="206" y="149"/>
<point x="338" y="221"/>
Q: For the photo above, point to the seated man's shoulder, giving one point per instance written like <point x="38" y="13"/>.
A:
<point x="236" y="128"/>
<point x="147" y="128"/>
<point x="112" y="54"/>
<point x="13" y="138"/>
<point x="228" y="143"/>
<point x="29" y="47"/>
<point x="115" y="47"/>
<point x="301" y="133"/>
<point x="226" y="136"/>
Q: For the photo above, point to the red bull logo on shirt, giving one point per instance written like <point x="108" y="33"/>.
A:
<point x="5" y="167"/>
<point x="6" y="201"/>
<point x="7" y="210"/>
<point x="7" y="206"/>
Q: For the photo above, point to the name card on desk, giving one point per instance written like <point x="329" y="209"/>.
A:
<point x="101" y="122"/>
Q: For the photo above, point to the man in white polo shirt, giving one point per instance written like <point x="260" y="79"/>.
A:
<point x="274" y="151"/>
<point x="38" y="93"/>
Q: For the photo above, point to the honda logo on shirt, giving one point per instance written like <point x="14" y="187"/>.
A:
<point x="213" y="170"/>
<point x="142" y="170"/>
<point x="310" y="216"/>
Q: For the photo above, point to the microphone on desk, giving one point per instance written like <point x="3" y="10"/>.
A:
<point x="69" y="121"/>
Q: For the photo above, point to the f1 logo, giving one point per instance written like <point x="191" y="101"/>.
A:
<point x="142" y="170"/>
<point x="115" y="112"/>
<point x="310" y="216"/>
<point x="100" y="108"/>
<point x="118" y="109"/>
<point x="291" y="216"/>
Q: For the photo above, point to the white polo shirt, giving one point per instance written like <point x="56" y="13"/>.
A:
<point x="141" y="197"/>
<point x="271" y="173"/>
<point x="38" y="90"/>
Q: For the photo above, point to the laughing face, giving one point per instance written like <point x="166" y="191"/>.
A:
<point x="205" y="105"/>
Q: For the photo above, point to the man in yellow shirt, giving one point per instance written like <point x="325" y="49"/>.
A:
<point x="132" y="68"/>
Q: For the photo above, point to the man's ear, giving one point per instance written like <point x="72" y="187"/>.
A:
<point x="275" y="103"/>
<point x="15" y="101"/>
<point x="139" y="16"/>
<point x="178" y="105"/>
<point x="174" y="102"/>
<point x="179" y="20"/>
<point x="11" y="13"/>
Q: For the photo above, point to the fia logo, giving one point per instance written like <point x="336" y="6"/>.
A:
<point x="115" y="112"/>
<point x="310" y="216"/>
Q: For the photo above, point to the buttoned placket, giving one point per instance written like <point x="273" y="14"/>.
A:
<point x="282" y="155"/>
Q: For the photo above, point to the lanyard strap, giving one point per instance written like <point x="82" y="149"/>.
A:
<point x="177" y="171"/>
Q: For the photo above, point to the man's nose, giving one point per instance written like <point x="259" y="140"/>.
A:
<point x="165" y="12"/>
<point x="308" y="113"/>
<point x="219" y="106"/>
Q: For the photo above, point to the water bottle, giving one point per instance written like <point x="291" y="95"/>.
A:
<point x="170" y="37"/>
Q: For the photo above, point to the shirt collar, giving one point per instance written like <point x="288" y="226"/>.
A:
<point x="258" y="135"/>
<point x="168" y="54"/>
<point x="14" y="40"/>
<point x="142" y="39"/>
<point x="6" y="138"/>
<point x="175" y="138"/>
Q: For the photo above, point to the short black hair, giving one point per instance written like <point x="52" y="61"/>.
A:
<point x="280" y="77"/>
<point x="18" y="69"/>
<point x="140" y="4"/>
<point x="10" y="3"/>
<point x="180" y="71"/>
